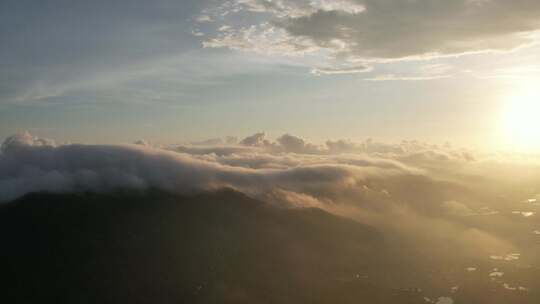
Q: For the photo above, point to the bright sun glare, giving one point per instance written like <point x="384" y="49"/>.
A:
<point x="522" y="118"/>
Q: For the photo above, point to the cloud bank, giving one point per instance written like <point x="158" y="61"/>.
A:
<point x="404" y="189"/>
<point x="30" y="164"/>
<point x="429" y="179"/>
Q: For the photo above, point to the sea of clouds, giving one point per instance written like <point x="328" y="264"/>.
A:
<point x="257" y="165"/>
<point x="405" y="188"/>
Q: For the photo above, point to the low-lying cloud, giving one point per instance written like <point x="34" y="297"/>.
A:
<point x="405" y="188"/>
<point x="255" y="165"/>
<point x="29" y="164"/>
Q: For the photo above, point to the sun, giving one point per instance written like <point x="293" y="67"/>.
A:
<point x="521" y="118"/>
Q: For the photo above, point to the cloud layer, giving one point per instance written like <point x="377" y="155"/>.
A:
<point x="404" y="189"/>
<point x="30" y="164"/>
<point x="427" y="178"/>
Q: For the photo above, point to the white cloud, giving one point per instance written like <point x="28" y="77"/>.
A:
<point x="291" y="143"/>
<point x="29" y="164"/>
<point x="256" y="140"/>
<point x="264" y="39"/>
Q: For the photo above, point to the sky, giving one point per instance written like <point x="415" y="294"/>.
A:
<point x="463" y="71"/>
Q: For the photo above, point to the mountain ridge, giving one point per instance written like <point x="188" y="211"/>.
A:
<point x="154" y="246"/>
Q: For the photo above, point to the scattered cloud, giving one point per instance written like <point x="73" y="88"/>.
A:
<point x="508" y="257"/>
<point x="264" y="38"/>
<point x="496" y="274"/>
<point x="291" y="143"/>
<point x="256" y="140"/>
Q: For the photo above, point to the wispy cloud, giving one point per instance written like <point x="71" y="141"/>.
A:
<point x="354" y="69"/>
<point x="371" y="31"/>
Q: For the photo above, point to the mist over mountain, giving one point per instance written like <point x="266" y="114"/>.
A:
<point x="263" y="221"/>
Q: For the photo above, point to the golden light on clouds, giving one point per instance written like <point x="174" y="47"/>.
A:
<point x="521" y="117"/>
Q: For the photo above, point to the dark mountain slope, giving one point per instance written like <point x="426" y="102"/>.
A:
<point x="154" y="247"/>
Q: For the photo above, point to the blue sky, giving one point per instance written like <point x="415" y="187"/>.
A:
<point x="171" y="71"/>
